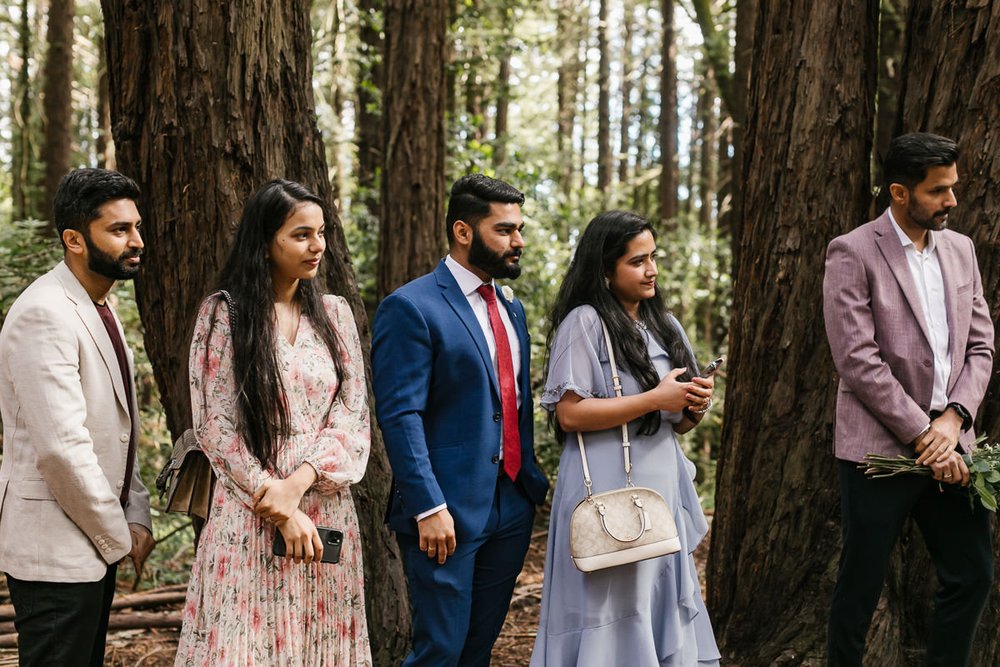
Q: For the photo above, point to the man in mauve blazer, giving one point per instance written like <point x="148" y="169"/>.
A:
<point x="912" y="341"/>
<point x="464" y="495"/>
<point x="71" y="501"/>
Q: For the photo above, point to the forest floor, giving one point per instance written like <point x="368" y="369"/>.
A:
<point x="155" y="647"/>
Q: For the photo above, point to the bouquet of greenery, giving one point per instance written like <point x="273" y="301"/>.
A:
<point x="983" y="464"/>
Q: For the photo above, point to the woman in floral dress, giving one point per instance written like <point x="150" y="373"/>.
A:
<point x="280" y="406"/>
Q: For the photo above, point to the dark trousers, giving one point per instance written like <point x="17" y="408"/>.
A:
<point x="62" y="624"/>
<point x="958" y="536"/>
<point x="459" y="607"/>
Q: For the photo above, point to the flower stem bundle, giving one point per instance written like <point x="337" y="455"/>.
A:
<point x="983" y="464"/>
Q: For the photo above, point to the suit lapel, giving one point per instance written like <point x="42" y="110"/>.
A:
<point x="453" y="295"/>
<point x="87" y="313"/>
<point x="892" y="250"/>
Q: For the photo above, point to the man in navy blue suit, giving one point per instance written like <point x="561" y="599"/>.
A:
<point x="453" y="398"/>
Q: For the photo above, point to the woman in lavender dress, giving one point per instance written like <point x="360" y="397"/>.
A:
<point x="642" y="614"/>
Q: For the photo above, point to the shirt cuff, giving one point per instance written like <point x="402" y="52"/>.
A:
<point x="433" y="510"/>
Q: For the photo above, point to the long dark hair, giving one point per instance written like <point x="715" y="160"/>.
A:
<point x="263" y="408"/>
<point x="602" y="244"/>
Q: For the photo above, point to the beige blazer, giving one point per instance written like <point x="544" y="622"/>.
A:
<point x="66" y="428"/>
<point x="878" y="335"/>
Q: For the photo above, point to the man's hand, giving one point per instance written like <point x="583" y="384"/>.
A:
<point x="437" y="535"/>
<point x="940" y="440"/>
<point x="952" y="470"/>
<point x="142" y="545"/>
<point x="276" y="500"/>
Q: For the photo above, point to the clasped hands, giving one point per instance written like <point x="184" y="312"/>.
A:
<point x="277" y="502"/>
<point x="935" y="448"/>
<point x="675" y="396"/>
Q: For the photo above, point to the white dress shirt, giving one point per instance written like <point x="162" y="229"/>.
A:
<point x="469" y="282"/>
<point x="926" y="271"/>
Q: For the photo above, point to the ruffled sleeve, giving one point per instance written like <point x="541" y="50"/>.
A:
<point x="214" y="406"/>
<point x="575" y="359"/>
<point x="340" y="452"/>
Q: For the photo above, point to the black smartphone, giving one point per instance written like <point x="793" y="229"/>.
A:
<point x="332" y="541"/>
<point x="712" y="367"/>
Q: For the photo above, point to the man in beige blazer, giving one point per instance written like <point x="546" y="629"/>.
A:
<point x="72" y="504"/>
<point x="912" y="341"/>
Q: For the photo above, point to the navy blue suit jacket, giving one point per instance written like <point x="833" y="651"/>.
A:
<point x="437" y="400"/>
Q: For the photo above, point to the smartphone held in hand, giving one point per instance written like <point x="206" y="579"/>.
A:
<point x="332" y="540"/>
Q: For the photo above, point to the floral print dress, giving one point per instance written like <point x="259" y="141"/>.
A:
<point x="245" y="607"/>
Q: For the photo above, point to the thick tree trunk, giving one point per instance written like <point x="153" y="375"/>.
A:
<point x="412" y="237"/>
<point x="746" y="19"/>
<point x="808" y="142"/>
<point x="951" y="86"/>
<point x="210" y="101"/>
<point x="604" y="162"/>
<point x="57" y="101"/>
<point x="890" y="80"/>
<point x="668" y="118"/>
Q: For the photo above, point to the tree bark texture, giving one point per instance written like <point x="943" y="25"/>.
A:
<point x="210" y="100"/>
<point x="105" y="144"/>
<point x="668" y="118"/>
<point x="604" y="162"/>
<point x="57" y="100"/>
<point x="951" y="86"/>
<point x="412" y="237"/>
<point x="890" y="79"/>
<point x="746" y="19"/>
<point x="808" y="141"/>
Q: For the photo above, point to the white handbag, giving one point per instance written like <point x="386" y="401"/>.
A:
<point x="624" y="525"/>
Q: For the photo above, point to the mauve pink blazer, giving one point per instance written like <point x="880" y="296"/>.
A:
<point x="878" y="336"/>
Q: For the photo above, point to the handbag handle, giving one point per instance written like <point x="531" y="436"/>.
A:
<point x="616" y="381"/>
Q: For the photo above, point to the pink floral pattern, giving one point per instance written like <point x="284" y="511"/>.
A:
<point x="246" y="608"/>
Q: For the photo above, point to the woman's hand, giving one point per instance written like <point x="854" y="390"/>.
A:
<point x="671" y="395"/>
<point x="276" y="500"/>
<point x="302" y="542"/>
<point x="699" y="395"/>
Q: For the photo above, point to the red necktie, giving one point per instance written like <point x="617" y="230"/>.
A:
<point x="508" y="395"/>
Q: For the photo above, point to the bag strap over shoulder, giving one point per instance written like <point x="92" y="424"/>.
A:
<point x="626" y="444"/>
<point x="232" y="306"/>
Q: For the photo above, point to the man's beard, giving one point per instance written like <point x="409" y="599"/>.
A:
<point x="934" y="222"/>
<point x="105" y="265"/>
<point x="493" y="263"/>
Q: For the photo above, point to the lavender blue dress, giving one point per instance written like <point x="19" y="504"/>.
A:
<point x="643" y="614"/>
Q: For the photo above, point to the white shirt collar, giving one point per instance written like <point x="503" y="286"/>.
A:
<point x="906" y="240"/>
<point x="467" y="281"/>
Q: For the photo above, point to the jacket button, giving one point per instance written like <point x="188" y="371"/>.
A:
<point x="120" y="484"/>
<point x="124" y="437"/>
<point x="496" y="416"/>
<point x="495" y="459"/>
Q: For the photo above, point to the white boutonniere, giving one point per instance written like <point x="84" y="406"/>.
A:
<point x="507" y="292"/>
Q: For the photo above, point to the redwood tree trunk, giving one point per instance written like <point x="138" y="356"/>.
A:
<point x="412" y="237"/>
<point x="210" y="100"/>
<point x="668" y="117"/>
<point x="775" y="537"/>
<point x="57" y="102"/>
<point x="951" y="86"/>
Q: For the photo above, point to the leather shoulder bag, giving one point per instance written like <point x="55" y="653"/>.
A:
<point x="187" y="479"/>
<point x="624" y="525"/>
